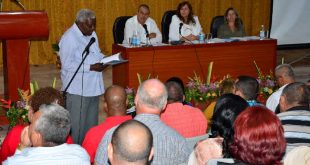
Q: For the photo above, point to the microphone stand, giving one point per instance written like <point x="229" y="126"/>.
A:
<point x="64" y="93"/>
<point x="197" y="57"/>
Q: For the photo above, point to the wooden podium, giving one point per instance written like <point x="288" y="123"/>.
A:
<point x="16" y="30"/>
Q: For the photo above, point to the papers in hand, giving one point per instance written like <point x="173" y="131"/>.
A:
<point x="113" y="59"/>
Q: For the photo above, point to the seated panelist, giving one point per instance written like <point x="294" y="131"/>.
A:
<point x="144" y="27"/>
<point x="232" y="26"/>
<point x="184" y="25"/>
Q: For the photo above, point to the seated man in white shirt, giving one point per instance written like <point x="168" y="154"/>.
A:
<point x="47" y="134"/>
<point x="144" y="27"/>
<point x="284" y="75"/>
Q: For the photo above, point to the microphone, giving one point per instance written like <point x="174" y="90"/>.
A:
<point x="19" y="4"/>
<point x="92" y="40"/>
<point x="145" y="28"/>
<point x="180" y="27"/>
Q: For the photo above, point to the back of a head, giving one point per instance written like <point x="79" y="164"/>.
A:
<point x="177" y="80"/>
<point x="54" y="124"/>
<point x="286" y="72"/>
<point x="259" y="137"/>
<point x="47" y="95"/>
<point x="296" y="94"/>
<point x="85" y="14"/>
<point x="248" y="86"/>
<point x="132" y="142"/>
<point x="226" y="110"/>
<point x="116" y="100"/>
<point x="227" y="86"/>
<point x="175" y="92"/>
<point x="151" y="94"/>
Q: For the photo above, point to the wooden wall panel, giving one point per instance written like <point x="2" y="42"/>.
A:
<point x="62" y="14"/>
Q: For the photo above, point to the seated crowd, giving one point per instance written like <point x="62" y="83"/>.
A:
<point x="242" y="130"/>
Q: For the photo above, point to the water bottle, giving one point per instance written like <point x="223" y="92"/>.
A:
<point x="201" y="37"/>
<point x="134" y="40"/>
<point x="262" y="32"/>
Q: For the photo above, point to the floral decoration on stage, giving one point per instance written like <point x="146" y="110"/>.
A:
<point x="202" y="91"/>
<point x="17" y="112"/>
<point x="267" y="83"/>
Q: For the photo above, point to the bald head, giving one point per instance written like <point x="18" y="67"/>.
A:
<point x="115" y="101"/>
<point x="284" y="74"/>
<point x="131" y="142"/>
<point x="151" y="97"/>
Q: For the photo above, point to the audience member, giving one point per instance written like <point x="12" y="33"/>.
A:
<point x="226" y="110"/>
<point x="184" y="25"/>
<point x="82" y="98"/>
<point x="180" y="82"/>
<point x="144" y="27"/>
<point x="115" y="105"/>
<point x="47" y="133"/>
<point x="284" y="75"/>
<point x="247" y="87"/>
<point x="295" y="114"/>
<point x="169" y="146"/>
<point x="299" y="155"/>
<point x="226" y="86"/>
<point x="259" y="137"/>
<point x="232" y="26"/>
<point x="45" y="95"/>
<point x="186" y="120"/>
<point x="132" y="143"/>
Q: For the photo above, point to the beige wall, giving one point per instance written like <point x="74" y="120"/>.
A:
<point x="62" y="14"/>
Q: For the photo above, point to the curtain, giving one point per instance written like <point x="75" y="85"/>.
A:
<point x="62" y="14"/>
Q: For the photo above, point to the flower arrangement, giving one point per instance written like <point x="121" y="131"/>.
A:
<point x="130" y="96"/>
<point x="267" y="84"/>
<point x="198" y="91"/>
<point x="17" y="112"/>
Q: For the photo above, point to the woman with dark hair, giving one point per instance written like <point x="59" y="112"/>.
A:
<point x="232" y="26"/>
<point x="184" y="25"/>
<point x="12" y="141"/>
<point x="259" y="138"/>
<point x="226" y="110"/>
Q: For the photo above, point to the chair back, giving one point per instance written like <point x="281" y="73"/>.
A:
<point x="118" y="29"/>
<point x="217" y="21"/>
<point x="165" y="23"/>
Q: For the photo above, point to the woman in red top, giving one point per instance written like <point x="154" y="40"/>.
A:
<point x="45" y="95"/>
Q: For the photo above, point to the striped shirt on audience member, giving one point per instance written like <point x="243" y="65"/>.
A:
<point x="296" y="124"/>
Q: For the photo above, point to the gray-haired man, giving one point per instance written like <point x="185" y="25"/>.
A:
<point x="85" y="89"/>
<point x="169" y="146"/>
<point x="47" y="132"/>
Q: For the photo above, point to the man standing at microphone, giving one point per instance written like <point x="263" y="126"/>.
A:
<point x="144" y="27"/>
<point x="87" y="86"/>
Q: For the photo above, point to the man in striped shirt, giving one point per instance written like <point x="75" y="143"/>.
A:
<point x="295" y="114"/>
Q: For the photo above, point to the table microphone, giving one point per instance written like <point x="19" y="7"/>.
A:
<point x="180" y="27"/>
<point x="19" y="4"/>
<point x="145" y="28"/>
<point x="148" y="42"/>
